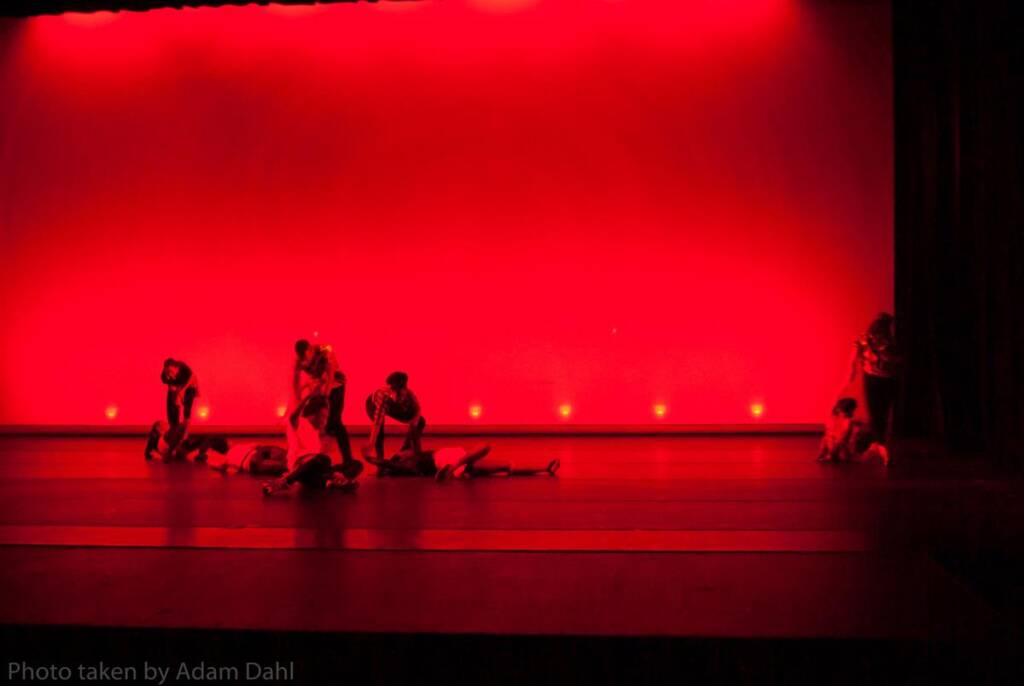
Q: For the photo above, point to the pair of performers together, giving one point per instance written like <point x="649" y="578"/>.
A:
<point x="313" y="418"/>
<point x="859" y="424"/>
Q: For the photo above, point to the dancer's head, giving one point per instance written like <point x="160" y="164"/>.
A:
<point x="398" y="381"/>
<point x="845" y="407"/>
<point x="303" y="350"/>
<point x="882" y="327"/>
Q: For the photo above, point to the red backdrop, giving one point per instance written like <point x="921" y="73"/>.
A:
<point x="525" y="204"/>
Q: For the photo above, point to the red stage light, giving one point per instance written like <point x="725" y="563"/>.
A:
<point x="486" y="117"/>
<point x="475" y="411"/>
<point x="293" y="10"/>
<point x="660" y="411"/>
<point x="565" y="411"/>
<point x="502" y="5"/>
<point x="756" y="410"/>
<point x="203" y="412"/>
<point x="111" y="412"/>
<point x="281" y="410"/>
<point x="89" y="18"/>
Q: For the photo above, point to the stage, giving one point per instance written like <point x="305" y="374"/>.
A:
<point x="694" y="554"/>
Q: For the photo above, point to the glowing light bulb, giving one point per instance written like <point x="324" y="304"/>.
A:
<point x="111" y="412"/>
<point x="660" y="411"/>
<point x="281" y="410"/>
<point x="757" y="409"/>
<point x="475" y="411"/>
<point x="203" y="412"/>
<point x="565" y="411"/>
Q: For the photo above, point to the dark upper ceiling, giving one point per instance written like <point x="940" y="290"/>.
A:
<point x="29" y="8"/>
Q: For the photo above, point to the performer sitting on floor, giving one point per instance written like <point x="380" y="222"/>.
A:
<point x="182" y="389"/>
<point x="308" y="463"/>
<point x="446" y="463"/>
<point x="394" y="400"/>
<point x="317" y="373"/>
<point x="847" y="438"/>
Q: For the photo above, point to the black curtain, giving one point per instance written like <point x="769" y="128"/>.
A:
<point x="959" y="222"/>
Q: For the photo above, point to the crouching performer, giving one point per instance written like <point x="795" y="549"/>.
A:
<point x="397" y="401"/>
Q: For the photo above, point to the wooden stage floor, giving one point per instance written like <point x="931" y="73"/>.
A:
<point x="742" y="538"/>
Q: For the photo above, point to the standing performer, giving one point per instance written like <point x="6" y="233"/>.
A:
<point x="317" y="373"/>
<point x="877" y="359"/>
<point x="182" y="389"/>
<point x="395" y="400"/>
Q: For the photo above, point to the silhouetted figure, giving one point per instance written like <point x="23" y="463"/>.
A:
<point x="252" y="458"/>
<point x="182" y="389"/>
<point x="452" y="463"/>
<point x="171" y="444"/>
<point x="396" y="401"/>
<point x="877" y="358"/>
<point x="317" y="373"/>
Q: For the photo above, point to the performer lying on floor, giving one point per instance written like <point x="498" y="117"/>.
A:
<point x="308" y="462"/>
<point x="169" y="443"/>
<point x="450" y="463"/>
<point x="256" y="459"/>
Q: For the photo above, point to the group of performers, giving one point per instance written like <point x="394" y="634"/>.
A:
<point x="856" y="430"/>
<point x="313" y="420"/>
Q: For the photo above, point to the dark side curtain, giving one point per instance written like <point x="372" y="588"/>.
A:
<point x="959" y="222"/>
